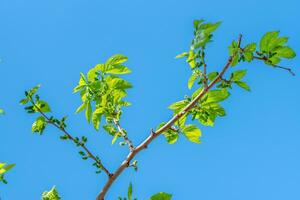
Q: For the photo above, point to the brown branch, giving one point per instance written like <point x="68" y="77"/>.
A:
<point x="204" y="68"/>
<point x="164" y="128"/>
<point x="91" y="155"/>
<point x="276" y="66"/>
<point x="124" y="135"/>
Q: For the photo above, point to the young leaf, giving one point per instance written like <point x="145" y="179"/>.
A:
<point x="238" y="75"/>
<point x="285" y="52"/>
<point x="88" y="112"/>
<point x="33" y="90"/>
<point x="39" y="125"/>
<point x="116" y="59"/>
<point x="5" y="167"/>
<point x="178" y="106"/>
<point x="81" y="107"/>
<point x="212" y="76"/>
<point x="235" y="60"/>
<point x="203" y="34"/>
<point x="184" y="54"/>
<point x="161" y="196"/>
<point x="216" y="96"/>
<point x="248" y="56"/>
<point x="24" y="101"/>
<point x="109" y="128"/>
<point x="250" y="47"/>
<point x="51" y="195"/>
<point x="192" y="79"/>
<point x="41" y="106"/>
<point x="192" y="133"/>
<point x="266" y="40"/>
<point x="129" y="193"/>
<point x="91" y="75"/>
<point x="171" y="136"/>
<point x="96" y="117"/>
<point x="243" y="85"/>
<point x="114" y="138"/>
<point x="118" y="69"/>
<point x="191" y="59"/>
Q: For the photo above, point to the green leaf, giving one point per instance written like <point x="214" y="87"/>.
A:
<point x="212" y="76"/>
<point x="203" y="34"/>
<point x="33" y="90"/>
<point x="82" y="80"/>
<point x="51" y="195"/>
<point x="119" y="69"/>
<point x="214" y="109"/>
<point x="116" y="59"/>
<point x="197" y="23"/>
<point x="41" y="106"/>
<point x="115" y="138"/>
<point x="5" y="167"/>
<point x="161" y="196"/>
<point x="277" y="42"/>
<point x="250" y="47"/>
<point x="113" y="68"/>
<point x="248" y="56"/>
<point x="184" y="54"/>
<point x="1" y="111"/>
<point x="129" y="193"/>
<point x="235" y="60"/>
<point x="24" y="101"/>
<point x="285" y="52"/>
<point x="191" y="59"/>
<point x="96" y="117"/>
<point x="39" y="125"/>
<point x="238" y="75"/>
<point x="81" y="107"/>
<point x="192" y="133"/>
<point x="88" y="111"/>
<point x="197" y="92"/>
<point x="181" y="120"/>
<point x="171" y="136"/>
<point x="216" y="96"/>
<point x="266" y="40"/>
<point x="178" y="106"/>
<point x="243" y="85"/>
<point x="192" y="79"/>
<point x="233" y="48"/>
<point x="91" y="75"/>
<point x="273" y="61"/>
<point x="110" y="129"/>
<point x="115" y="82"/>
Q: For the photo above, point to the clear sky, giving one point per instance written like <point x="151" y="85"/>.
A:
<point x="251" y="154"/>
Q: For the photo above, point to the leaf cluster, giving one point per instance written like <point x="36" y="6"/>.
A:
<point x="3" y="169"/>
<point x="102" y="93"/>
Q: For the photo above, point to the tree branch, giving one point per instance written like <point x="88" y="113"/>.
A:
<point x="204" y="68"/>
<point x="276" y="66"/>
<point x="91" y="155"/>
<point x="164" y="128"/>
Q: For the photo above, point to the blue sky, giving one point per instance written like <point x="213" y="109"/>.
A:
<point x="252" y="153"/>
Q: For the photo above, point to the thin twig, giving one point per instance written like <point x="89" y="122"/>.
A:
<point x="91" y="155"/>
<point x="204" y="68"/>
<point x="276" y="66"/>
<point x="124" y="135"/>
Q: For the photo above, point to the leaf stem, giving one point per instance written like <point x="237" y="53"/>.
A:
<point x="124" y="135"/>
